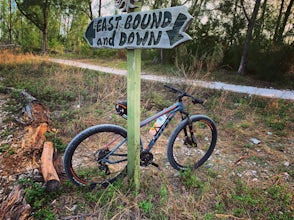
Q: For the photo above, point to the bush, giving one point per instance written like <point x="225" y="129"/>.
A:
<point x="270" y="65"/>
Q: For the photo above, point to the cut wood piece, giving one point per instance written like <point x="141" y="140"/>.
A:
<point x="51" y="179"/>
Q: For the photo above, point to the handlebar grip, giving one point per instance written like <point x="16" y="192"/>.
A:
<point x="182" y="94"/>
<point x="171" y="88"/>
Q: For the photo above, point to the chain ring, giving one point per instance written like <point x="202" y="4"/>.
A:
<point x="146" y="158"/>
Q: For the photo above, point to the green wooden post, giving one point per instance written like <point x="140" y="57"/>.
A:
<point x="133" y="96"/>
<point x="134" y="113"/>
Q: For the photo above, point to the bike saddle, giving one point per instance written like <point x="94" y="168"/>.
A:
<point x="121" y="108"/>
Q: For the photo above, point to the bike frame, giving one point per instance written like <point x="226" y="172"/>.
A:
<point x="169" y="111"/>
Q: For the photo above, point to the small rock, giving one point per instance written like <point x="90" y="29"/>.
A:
<point x="269" y="133"/>
<point x="9" y="137"/>
<point x="177" y="174"/>
<point x="209" y="165"/>
<point x="286" y="176"/>
<point x="74" y="208"/>
<point x="12" y="178"/>
<point x="255" y="141"/>
<point x="21" y="176"/>
<point x="239" y="174"/>
<point x="286" y="164"/>
<point x="36" y="172"/>
<point x="250" y="173"/>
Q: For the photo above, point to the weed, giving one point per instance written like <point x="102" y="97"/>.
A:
<point x="57" y="142"/>
<point x="219" y="207"/>
<point x="209" y="216"/>
<point x="38" y="198"/>
<point x="5" y="133"/>
<point x="146" y="205"/>
<point x="190" y="180"/>
<point x="44" y="214"/>
<point x="4" y="148"/>
<point x="273" y="203"/>
<point x="245" y="125"/>
<point x="249" y="146"/>
<point x="163" y="194"/>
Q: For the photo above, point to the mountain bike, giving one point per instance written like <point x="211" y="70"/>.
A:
<point x="98" y="154"/>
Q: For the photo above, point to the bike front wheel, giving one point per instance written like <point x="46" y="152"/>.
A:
<point x="97" y="155"/>
<point x="192" y="142"/>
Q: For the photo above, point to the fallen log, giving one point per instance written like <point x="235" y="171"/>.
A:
<point x="34" y="137"/>
<point x="51" y="179"/>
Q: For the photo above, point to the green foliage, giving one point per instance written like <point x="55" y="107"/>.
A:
<point x="57" y="141"/>
<point x="4" y="148"/>
<point x="274" y="202"/>
<point x="232" y="56"/>
<point x="146" y="205"/>
<point x="190" y="180"/>
<point x="273" y="64"/>
<point x="38" y="198"/>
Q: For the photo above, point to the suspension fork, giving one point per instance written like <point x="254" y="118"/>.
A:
<point x="189" y="131"/>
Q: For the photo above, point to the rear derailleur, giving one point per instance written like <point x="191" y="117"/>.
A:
<point x="99" y="155"/>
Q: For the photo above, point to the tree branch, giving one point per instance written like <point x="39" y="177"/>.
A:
<point x="244" y="10"/>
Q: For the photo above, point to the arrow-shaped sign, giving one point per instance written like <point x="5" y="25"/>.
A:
<point x="161" y="28"/>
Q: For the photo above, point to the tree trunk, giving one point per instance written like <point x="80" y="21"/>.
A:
<point x="251" y="23"/>
<point x="45" y="26"/>
<point x="278" y="21"/>
<point x="44" y="46"/>
<point x="99" y="12"/>
<point x="10" y="22"/>
<point x="282" y="28"/>
<point x="261" y="23"/>
<point x="90" y="9"/>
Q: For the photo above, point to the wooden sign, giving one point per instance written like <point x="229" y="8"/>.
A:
<point x="161" y="28"/>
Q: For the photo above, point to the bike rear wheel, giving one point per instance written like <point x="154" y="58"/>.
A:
<point x="97" y="155"/>
<point x="192" y="143"/>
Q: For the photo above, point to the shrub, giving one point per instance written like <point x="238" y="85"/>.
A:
<point x="272" y="64"/>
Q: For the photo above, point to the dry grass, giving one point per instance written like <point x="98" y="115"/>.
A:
<point x="7" y="58"/>
<point x="240" y="181"/>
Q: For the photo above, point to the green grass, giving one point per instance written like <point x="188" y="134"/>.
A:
<point x="80" y="98"/>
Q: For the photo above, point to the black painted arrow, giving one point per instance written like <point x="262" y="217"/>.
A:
<point x="90" y="33"/>
<point x="174" y="34"/>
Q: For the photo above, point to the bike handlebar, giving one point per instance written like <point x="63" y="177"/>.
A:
<point x="182" y="94"/>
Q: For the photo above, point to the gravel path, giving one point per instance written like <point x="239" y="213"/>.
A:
<point x="250" y="90"/>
